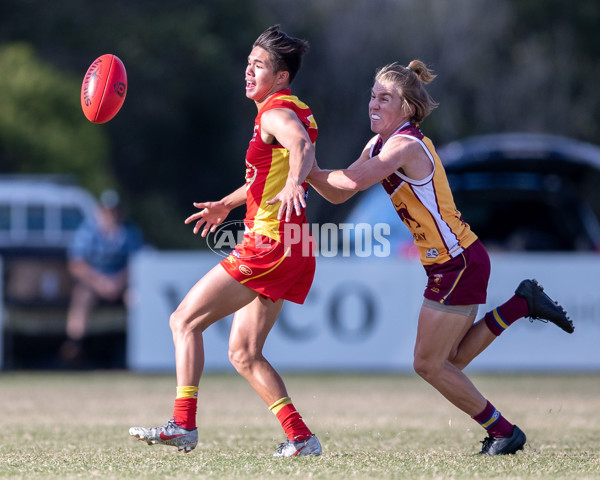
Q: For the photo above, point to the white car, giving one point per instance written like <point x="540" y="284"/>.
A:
<point x="519" y="192"/>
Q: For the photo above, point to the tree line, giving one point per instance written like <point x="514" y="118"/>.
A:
<point x="515" y="65"/>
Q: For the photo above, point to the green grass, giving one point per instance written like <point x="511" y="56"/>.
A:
<point x="58" y="425"/>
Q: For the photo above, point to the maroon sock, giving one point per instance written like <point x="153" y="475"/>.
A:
<point x="500" y="318"/>
<point x="493" y="421"/>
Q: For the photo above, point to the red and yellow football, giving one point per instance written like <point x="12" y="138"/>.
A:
<point x="104" y="88"/>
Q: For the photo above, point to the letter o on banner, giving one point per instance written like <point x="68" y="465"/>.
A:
<point x="364" y="325"/>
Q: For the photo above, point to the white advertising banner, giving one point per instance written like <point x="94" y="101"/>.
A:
<point x="361" y="314"/>
<point x="1" y="315"/>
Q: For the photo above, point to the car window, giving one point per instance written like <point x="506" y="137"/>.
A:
<point x="36" y="221"/>
<point x="70" y="218"/>
<point x="5" y="218"/>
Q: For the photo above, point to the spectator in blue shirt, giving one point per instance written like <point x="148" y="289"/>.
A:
<point x="98" y="261"/>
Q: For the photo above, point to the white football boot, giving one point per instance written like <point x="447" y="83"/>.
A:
<point x="168" y="434"/>
<point x="290" y="448"/>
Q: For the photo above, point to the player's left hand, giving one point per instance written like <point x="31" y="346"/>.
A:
<point x="292" y="199"/>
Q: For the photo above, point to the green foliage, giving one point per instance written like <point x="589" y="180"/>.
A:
<point x="42" y="128"/>
<point x="521" y="65"/>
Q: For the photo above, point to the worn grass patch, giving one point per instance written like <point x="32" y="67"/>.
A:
<point x="58" y="425"/>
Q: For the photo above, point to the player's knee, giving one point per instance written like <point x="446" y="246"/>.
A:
<point x="241" y="359"/>
<point x="425" y="368"/>
<point x="419" y="366"/>
<point x="458" y="362"/>
<point x="178" y="322"/>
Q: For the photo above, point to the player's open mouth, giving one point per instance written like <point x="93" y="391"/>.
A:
<point x="375" y="117"/>
<point x="249" y="85"/>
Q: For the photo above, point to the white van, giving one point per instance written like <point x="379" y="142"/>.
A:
<point x="38" y="217"/>
<point x="39" y="212"/>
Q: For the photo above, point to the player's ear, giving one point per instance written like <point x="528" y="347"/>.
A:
<point x="283" y="76"/>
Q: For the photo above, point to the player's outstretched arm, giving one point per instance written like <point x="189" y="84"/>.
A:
<point x="318" y="179"/>
<point x="336" y="186"/>
<point x="212" y="214"/>
<point x="365" y="172"/>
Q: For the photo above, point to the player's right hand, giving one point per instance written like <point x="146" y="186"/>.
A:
<point x="210" y="216"/>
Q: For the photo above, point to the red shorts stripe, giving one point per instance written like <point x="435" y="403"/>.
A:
<point x="462" y="280"/>
<point x="271" y="268"/>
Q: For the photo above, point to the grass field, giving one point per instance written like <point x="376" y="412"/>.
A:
<point x="59" y="425"/>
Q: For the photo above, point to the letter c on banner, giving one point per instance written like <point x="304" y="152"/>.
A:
<point x="303" y="330"/>
<point x="339" y="323"/>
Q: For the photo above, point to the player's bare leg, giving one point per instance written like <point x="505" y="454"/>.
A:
<point x="534" y="303"/>
<point x="438" y="335"/>
<point x="215" y="296"/>
<point x="476" y="340"/>
<point x="249" y="331"/>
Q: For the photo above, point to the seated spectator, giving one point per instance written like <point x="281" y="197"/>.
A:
<point x="98" y="261"/>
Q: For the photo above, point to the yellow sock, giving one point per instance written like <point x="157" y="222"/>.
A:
<point x="291" y="421"/>
<point x="186" y="404"/>
<point x="187" y="392"/>
<point x="279" y="404"/>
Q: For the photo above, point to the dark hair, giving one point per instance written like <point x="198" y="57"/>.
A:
<point x="285" y="52"/>
<point x="410" y="83"/>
